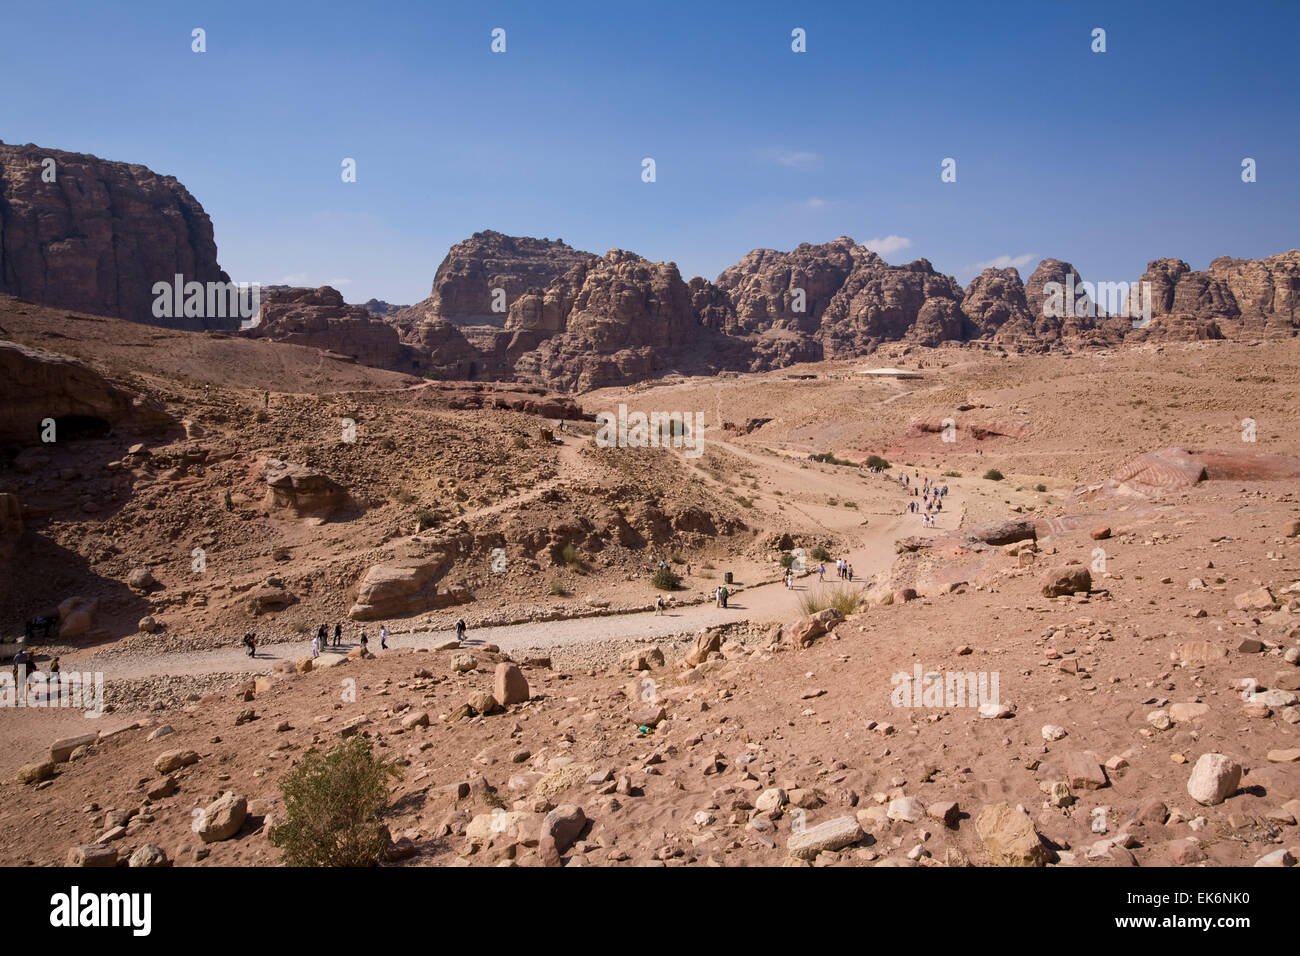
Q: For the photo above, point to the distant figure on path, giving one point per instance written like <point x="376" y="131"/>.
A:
<point x="315" y="646"/>
<point x="659" y="605"/>
<point x="383" y="638"/>
<point x="460" y="629"/>
<point x="365" y="642"/>
<point x="338" y="634"/>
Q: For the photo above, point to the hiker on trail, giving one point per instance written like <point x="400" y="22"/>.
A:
<point x="226" y="497"/>
<point x="315" y="646"/>
<point x="688" y="570"/>
<point x="821" y="572"/>
<point x="338" y="633"/>
<point x="251" y="643"/>
<point x="266" y="399"/>
<point x="659" y="605"/>
<point x="717" y="597"/>
<point x="723" y="594"/>
<point x="383" y="638"/>
<point x="322" y="635"/>
<point x="206" y="389"/>
<point x="365" y="643"/>
<point x="849" y="573"/>
<point x="54" y="667"/>
<point x="460" y="629"/>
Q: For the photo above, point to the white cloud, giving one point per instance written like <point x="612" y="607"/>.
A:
<point x="1003" y="262"/>
<point x="888" y="245"/>
<point x="816" y="202"/>
<point x="797" y="159"/>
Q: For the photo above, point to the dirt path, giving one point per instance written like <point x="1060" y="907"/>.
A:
<point x="769" y="603"/>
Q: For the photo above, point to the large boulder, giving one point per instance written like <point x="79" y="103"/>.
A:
<point x="1009" y="836"/>
<point x="301" y="491"/>
<point x="404" y="587"/>
<point x="222" y="818"/>
<point x="509" y="685"/>
<point x="807" y="629"/>
<point x="76" y="616"/>
<point x="1214" y="779"/>
<point x="1066" y="580"/>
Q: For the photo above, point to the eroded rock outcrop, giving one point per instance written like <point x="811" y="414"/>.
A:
<point x="463" y="285"/>
<point x="43" y="386"/>
<point x="319" y="318"/>
<point x="97" y="237"/>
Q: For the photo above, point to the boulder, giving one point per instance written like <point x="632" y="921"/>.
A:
<point x="1009" y="836"/>
<point x="62" y="749"/>
<point x="222" y="819"/>
<point x="172" y="760"/>
<point x="1066" y="580"/>
<point x="1214" y="779"/>
<point x="509" y="685"/>
<point x="831" y="835"/>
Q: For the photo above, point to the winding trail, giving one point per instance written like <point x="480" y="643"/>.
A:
<point x="869" y="551"/>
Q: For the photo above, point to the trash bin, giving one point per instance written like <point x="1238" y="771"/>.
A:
<point x="726" y="578"/>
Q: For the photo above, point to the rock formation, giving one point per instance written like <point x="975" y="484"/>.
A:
<point x="463" y="285"/>
<point x="879" y="303"/>
<point x="43" y="386"/>
<point x="321" y="319"/>
<point x="92" y="235"/>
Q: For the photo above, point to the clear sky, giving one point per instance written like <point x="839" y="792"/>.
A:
<point x="1107" y="159"/>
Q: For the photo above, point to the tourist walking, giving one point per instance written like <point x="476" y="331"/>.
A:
<point x="460" y="629"/>
<point x="338" y="634"/>
<point x="383" y="638"/>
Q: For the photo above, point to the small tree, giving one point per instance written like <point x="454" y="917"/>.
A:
<point x="666" y="579"/>
<point x="332" y="805"/>
<point x="993" y="475"/>
<point x="787" y="559"/>
<point x="821" y="554"/>
<point x="875" y="461"/>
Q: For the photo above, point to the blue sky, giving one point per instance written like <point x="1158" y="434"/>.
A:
<point x="1103" y="159"/>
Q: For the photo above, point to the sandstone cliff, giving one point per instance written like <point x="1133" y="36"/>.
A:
<point x="99" y="236"/>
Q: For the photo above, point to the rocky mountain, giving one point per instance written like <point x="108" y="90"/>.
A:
<point x="321" y="319"/>
<point x="463" y="287"/>
<point x="83" y="233"/>
<point x="381" y="308"/>
<point x="612" y="320"/>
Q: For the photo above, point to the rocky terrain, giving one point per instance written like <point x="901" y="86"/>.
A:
<point x="1130" y="577"/>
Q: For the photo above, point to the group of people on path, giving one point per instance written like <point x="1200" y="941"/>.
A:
<point x="720" y="596"/>
<point x="931" y="494"/>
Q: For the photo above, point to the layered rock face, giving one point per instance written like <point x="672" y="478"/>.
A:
<point x="1265" y="291"/>
<point x="99" y="236"/>
<point x="764" y="286"/>
<point x="995" y="300"/>
<point x="613" y="320"/>
<point x="321" y="319"/>
<point x="879" y="302"/>
<point x="43" y="385"/>
<point x="463" y="285"/>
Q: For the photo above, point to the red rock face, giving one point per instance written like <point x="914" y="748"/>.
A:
<point x="879" y="302"/>
<point x="463" y="286"/>
<point x="99" y="236"/>
<point x="995" y="300"/>
<point x="321" y="319"/>
<point x="762" y="286"/>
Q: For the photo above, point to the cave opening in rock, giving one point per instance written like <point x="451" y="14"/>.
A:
<point x="74" y="427"/>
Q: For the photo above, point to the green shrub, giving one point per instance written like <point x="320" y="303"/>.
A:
<point x="875" y="461"/>
<point x="262" y="416"/>
<point x="820" y="554"/>
<point x="952" y="474"/>
<point x="571" y="555"/>
<point x="787" y="559"/>
<point x="666" y="579"/>
<point x="558" y="589"/>
<point x="843" y="599"/>
<point x="425" y="519"/>
<point x="332" y="806"/>
<point x="993" y="475"/>
<point x="1040" y="487"/>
